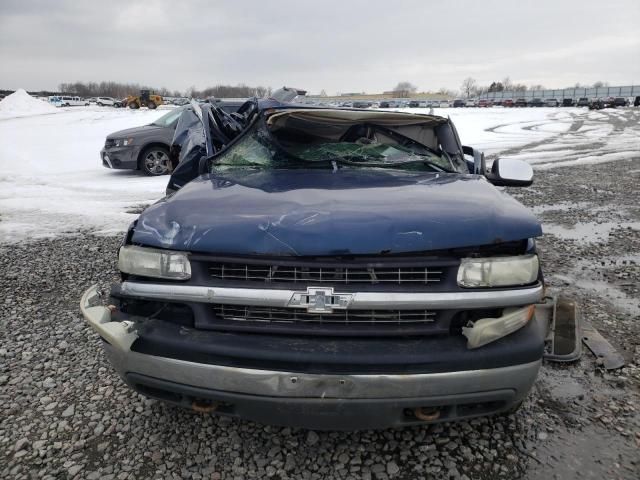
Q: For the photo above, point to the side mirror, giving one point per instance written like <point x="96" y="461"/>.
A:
<point x="509" y="172"/>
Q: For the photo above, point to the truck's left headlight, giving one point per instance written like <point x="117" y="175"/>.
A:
<point x="498" y="271"/>
<point x="152" y="262"/>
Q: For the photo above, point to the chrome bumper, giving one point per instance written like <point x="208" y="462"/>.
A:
<point x="120" y="336"/>
<point x="308" y="399"/>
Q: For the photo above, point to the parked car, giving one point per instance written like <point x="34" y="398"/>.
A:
<point x="102" y="101"/>
<point x="120" y="103"/>
<point x="361" y="104"/>
<point x="568" y="102"/>
<point x="508" y="102"/>
<point x="147" y="148"/>
<point x="536" y="102"/>
<point x="384" y="104"/>
<point x="143" y="148"/>
<point x="497" y="102"/>
<point x="329" y="269"/>
<point x="458" y="103"/>
<point x="600" y="103"/>
<point x="636" y="102"/>
<point x="552" y="102"/>
<point x="484" y="103"/>
<point x="444" y="104"/>
<point x="583" y="102"/>
<point x="620" y="102"/>
<point x="471" y="102"/>
<point x="67" y="101"/>
<point x="414" y="104"/>
<point x="423" y="104"/>
<point x="55" y="100"/>
<point x="520" y="102"/>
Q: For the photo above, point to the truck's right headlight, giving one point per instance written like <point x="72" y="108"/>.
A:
<point x="498" y="271"/>
<point x="153" y="262"/>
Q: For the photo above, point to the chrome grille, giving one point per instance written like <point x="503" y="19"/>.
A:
<point x="242" y="313"/>
<point x="328" y="274"/>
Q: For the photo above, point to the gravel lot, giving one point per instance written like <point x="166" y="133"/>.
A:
<point x="65" y="414"/>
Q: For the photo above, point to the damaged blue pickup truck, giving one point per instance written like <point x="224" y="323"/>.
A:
<point x="328" y="268"/>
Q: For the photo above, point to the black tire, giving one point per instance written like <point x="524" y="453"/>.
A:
<point x="99" y="104"/>
<point x="154" y="161"/>
<point x="151" y="105"/>
<point x="134" y="106"/>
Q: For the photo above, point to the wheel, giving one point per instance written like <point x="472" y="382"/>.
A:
<point x="134" y="105"/>
<point x="154" y="161"/>
<point x="99" y="104"/>
<point x="151" y="105"/>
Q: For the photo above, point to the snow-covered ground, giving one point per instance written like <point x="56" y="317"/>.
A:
<point x="52" y="180"/>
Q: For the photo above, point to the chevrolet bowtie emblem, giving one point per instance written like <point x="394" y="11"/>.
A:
<point x="320" y="300"/>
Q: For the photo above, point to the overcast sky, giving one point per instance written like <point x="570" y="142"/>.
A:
<point x="338" y="46"/>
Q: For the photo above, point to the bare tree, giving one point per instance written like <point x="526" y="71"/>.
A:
<point x="537" y="87"/>
<point x="600" y="84"/>
<point x="469" y="86"/>
<point x="404" y="89"/>
<point x="445" y="91"/>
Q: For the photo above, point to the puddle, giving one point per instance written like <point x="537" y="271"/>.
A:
<point x="606" y="291"/>
<point x="590" y="232"/>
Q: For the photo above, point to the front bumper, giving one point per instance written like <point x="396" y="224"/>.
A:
<point x="120" y="157"/>
<point x="295" y="395"/>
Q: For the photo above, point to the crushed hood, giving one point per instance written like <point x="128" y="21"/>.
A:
<point x="320" y="212"/>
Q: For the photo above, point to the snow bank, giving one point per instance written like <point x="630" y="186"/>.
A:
<point x="21" y="104"/>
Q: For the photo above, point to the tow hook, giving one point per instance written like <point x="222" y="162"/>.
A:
<point x="427" y="414"/>
<point x="202" y="406"/>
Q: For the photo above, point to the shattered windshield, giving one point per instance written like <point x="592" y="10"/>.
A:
<point x="260" y="149"/>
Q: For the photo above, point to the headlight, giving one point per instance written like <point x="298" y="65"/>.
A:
<point x="498" y="271"/>
<point x="123" y="142"/>
<point x="151" y="262"/>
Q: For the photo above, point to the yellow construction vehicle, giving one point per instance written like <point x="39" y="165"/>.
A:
<point x="145" y="99"/>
